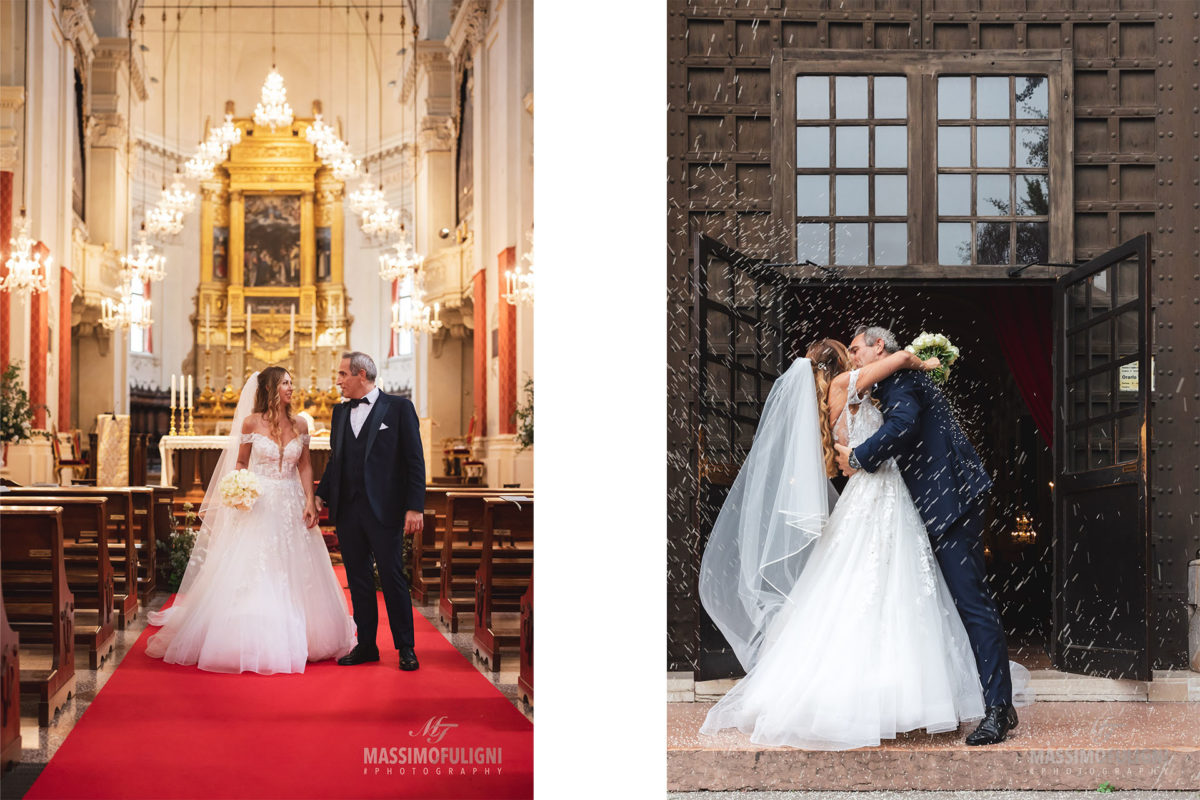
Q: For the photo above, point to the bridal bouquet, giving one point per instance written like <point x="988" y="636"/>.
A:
<point x="935" y="345"/>
<point x="239" y="489"/>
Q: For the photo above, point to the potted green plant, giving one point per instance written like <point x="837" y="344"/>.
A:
<point x="524" y="418"/>
<point x="16" y="414"/>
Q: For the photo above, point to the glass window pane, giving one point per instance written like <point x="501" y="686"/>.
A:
<point x="991" y="143"/>
<point x="1127" y="281"/>
<point x="954" y="197"/>
<point x="954" y="98"/>
<point x="1100" y="393"/>
<point x="812" y="195"/>
<point x="1078" y="449"/>
<point x="1129" y="438"/>
<point x="954" y="147"/>
<point x="1033" y="196"/>
<point x="891" y="243"/>
<point x="1100" y="445"/>
<point x="852" y="147"/>
<point x="850" y="196"/>
<point x="1033" y="146"/>
<point x="891" y="195"/>
<point x="1032" y="97"/>
<point x="850" y="96"/>
<point x="1033" y="242"/>
<point x="954" y="243"/>
<point x="812" y="147"/>
<point x="891" y="146"/>
<point x="812" y="97"/>
<point x="991" y="195"/>
<point x="812" y="242"/>
<point x="1098" y="338"/>
<point x="1078" y="303"/>
<point x="991" y="98"/>
<point x="1127" y="333"/>
<point x="891" y="98"/>
<point x="850" y="243"/>
<point x="992" y="244"/>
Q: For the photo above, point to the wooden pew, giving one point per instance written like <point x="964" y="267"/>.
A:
<point x="525" y="677"/>
<point x="122" y="541"/>
<point x="505" y="569"/>
<point x="145" y="540"/>
<point x="425" y="554"/>
<point x="10" y="691"/>
<point x="164" y="525"/>
<point x="89" y="570"/>
<point x="38" y="603"/>
<point x="460" y="554"/>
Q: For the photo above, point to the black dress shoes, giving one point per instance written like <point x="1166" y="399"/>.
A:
<point x="996" y="724"/>
<point x="359" y="655"/>
<point x="408" y="659"/>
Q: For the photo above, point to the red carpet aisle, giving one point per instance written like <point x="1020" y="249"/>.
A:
<point x="167" y="731"/>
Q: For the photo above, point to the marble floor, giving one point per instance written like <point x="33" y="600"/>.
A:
<point x="38" y="744"/>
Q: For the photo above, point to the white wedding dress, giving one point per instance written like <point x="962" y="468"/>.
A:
<point x="265" y="599"/>
<point x="868" y="643"/>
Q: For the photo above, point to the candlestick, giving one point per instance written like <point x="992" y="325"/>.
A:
<point x="172" y="391"/>
<point x="228" y="327"/>
<point x="172" y="432"/>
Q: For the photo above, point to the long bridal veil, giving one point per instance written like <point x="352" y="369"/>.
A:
<point x="212" y="512"/>
<point x="775" y="509"/>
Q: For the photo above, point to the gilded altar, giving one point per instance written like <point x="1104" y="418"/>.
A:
<point x="271" y="288"/>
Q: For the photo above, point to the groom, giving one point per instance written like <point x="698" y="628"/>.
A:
<point x="950" y="487"/>
<point x="373" y="484"/>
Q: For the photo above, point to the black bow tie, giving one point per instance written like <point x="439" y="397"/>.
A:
<point x="354" y="401"/>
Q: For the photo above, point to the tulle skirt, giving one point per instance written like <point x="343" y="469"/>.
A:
<point x="869" y="645"/>
<point x="267" y="599"/>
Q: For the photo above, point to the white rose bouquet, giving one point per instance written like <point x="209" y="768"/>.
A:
<point x="935" y="345"/>
<point x="239" y="489"/>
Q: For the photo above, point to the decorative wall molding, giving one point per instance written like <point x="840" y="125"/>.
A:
<point x="471" y="20"/>
<point x="76" y="22"/>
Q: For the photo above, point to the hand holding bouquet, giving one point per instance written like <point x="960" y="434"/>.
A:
<point x="935" y="345"/>
<point x="239" y="489"/>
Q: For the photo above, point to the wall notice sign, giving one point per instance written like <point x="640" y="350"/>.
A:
<point x="1129" y="377"/>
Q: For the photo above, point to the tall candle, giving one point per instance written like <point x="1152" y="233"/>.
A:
<point x="190" y="389"/>
<point x="292" y="331"/>
<point x="228" y="327"/>
<point x="248" y="317"/>
<point x="172" y="391"/>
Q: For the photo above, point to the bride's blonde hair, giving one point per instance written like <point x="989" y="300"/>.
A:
<point x="829" y="358"/>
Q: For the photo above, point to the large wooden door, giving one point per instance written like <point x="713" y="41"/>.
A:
<point x="739" y="348"/>
<point x="1103" y="376"/>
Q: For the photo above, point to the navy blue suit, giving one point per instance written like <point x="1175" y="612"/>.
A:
<point x="950" y="487"/>
<point x="371" y="480"/>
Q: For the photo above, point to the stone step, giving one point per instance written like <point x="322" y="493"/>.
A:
<point x="1050" y="685"/>
<point x="1056" y="746"/>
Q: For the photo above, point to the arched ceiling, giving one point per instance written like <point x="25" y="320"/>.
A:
<point x="218" y="51"/>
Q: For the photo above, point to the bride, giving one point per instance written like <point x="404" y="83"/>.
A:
<point x="842" y="620"/>
<point x="259" y="593"/>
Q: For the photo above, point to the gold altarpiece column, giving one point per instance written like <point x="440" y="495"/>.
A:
<point x="271" y="273"/>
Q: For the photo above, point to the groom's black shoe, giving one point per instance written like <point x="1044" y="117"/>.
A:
<point x="359" y="655"/>
<point x="408" y="659"/>
<point x="996" y="724"/>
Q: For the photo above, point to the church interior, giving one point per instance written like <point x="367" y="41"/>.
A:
<point x="193" y="192"/>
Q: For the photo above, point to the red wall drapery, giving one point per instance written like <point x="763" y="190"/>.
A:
<point x="507" y="346"/>
<point x="1023" y="320"/>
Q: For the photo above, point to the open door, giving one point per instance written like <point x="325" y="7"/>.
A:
<point x="1102" y="379"/>
<point x="738" y="342"/>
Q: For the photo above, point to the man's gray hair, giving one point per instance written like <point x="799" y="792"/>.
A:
<point x="361" y="362"/>
<point x="872" y="334"/>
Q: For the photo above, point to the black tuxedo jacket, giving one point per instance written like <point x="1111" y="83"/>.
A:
<point x="395" y="466"/>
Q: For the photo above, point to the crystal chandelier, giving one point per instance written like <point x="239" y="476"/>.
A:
<point x="344" y="167"/>
<point x="144" y="265"/>
<point x="403" y="262"/>
<point x="381" y="223"/>
<point x="199" y="167"/>
<point x="178" y="198"/>
<point x="26" y="271"/>
<point x="519" y="281"/>
<point x="321" y="136"/>
<point x="228" y="134"/>
<point x="273" y="110"/>
<point x="367" y="197"/>
<point x="164" y="222"/>
<point x="418" y="318"/>
<point x="128" y="309"/>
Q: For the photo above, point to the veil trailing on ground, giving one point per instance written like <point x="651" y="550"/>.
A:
<point x="212" y="512"/>
<point x="775" y="509"/>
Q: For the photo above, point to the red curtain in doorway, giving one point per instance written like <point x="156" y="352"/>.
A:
<point x="1023" y="323"/>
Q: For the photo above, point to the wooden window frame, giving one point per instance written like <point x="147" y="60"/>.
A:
<point x="922" y="68"/>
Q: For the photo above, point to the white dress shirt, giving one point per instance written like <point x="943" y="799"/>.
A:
<point x="358" y="414"/>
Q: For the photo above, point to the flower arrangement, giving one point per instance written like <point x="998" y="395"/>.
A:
<point x="935" y="345"/>
<point x="177" y="551"/>
<point x="239" y="489"/>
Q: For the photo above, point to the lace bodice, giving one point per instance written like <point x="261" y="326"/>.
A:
<point x="267" y="461"/>
<point x="859" y="418"/>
